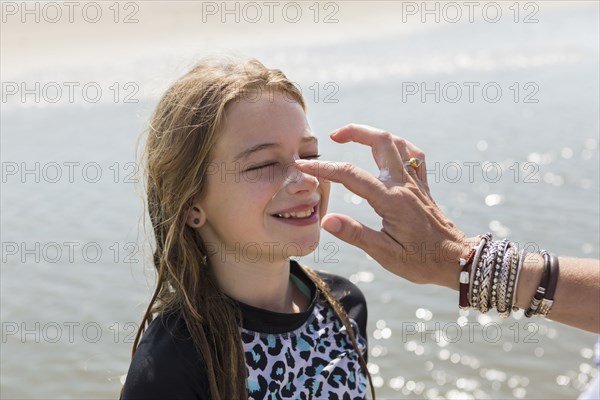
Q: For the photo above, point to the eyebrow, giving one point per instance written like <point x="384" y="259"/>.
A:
<point x="263" y="146"/>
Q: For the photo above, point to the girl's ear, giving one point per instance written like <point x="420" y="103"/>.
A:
<point x="196" y="217"/>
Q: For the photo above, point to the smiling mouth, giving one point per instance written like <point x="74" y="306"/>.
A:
<point x="297" y="214"/>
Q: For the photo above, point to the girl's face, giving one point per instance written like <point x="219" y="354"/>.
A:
<point x="258" y="206"/>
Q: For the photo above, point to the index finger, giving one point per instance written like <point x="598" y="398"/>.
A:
<point x="355" y="179"/>
<point x="385" y="152"/>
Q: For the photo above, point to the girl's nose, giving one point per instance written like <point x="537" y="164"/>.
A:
<point x="297" y="181"/>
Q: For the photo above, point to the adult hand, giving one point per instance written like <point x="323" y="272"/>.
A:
<point x="416" y="241"/>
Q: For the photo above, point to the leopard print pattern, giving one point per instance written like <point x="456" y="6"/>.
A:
<point x="316" y="361"/>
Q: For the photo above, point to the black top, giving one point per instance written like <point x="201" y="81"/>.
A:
<point x="305" y="355"/>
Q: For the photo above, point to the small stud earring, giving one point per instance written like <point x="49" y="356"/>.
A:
<point x="197" y="221"/>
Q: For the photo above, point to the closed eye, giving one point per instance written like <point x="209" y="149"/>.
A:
<point x="269" y="164"/>
<point x="311" y="157"/>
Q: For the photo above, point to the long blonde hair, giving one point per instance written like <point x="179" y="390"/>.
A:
<point x="182" y="133"/>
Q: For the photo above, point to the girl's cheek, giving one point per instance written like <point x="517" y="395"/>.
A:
<point x="262" y="185"/>
<point x="265" y="178"/>
<point x="325" y="187"/>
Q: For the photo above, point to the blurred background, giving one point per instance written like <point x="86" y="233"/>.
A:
<point x="502" y="96"/>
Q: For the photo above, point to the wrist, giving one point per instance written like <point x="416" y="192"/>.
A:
<point x="452" y="267"/>
<point x="529" y="279"/>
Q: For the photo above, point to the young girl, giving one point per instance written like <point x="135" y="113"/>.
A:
<point x="232" y="317"/>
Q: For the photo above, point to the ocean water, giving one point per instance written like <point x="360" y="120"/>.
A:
<point x="75" y="277"/>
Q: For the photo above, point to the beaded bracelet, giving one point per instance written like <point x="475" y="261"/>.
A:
<point x="503" y="279"/>
<point x="518" y="272"/>
<point x="476" y="281"/>
<point x="510" y="287"/>
<point x="500" y="265"/>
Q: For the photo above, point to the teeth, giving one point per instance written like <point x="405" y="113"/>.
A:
<point x="297" y="214"/>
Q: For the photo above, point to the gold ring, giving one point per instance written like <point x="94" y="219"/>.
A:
<point x="413" y="162"/>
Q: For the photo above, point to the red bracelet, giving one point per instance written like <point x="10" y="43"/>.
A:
<point x="463" y="280"/>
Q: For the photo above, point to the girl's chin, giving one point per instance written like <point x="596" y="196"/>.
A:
<point x="302" y="247"/>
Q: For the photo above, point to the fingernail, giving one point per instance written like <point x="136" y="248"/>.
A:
<point x="333" y="225"/>
<point x="306" y="163"/>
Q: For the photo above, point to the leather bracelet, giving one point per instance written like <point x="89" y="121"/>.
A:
<point x="541" y="290"/>
<point x="548" y="299"/>
<point x="463" y="280"/>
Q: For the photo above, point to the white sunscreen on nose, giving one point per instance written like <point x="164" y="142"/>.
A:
<point x="294" y="177"/>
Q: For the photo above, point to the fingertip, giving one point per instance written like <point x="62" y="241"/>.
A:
<point x="331" y="224"/>
<point x="344" y="134"/>
<point x="306" y="164"/>
<point x="335" y="136"/>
